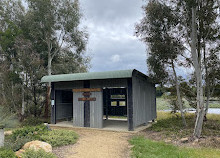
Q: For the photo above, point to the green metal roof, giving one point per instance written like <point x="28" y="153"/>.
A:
<point x="89" y="76"/>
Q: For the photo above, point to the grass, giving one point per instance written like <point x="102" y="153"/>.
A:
<point x="171" y="125"/>
<point x="163" y="103"/>
<point x="145" y="148"/>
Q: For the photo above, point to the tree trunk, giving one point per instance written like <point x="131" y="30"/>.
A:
<point x="178" y="95"/>
<point x="23" y="95"/>
<point x="35" y="100"/>
<point x="48" y="86"/>
<point x="23" y="101"/>
<point x="207" y="82"/>
<point x="198" y="72"/>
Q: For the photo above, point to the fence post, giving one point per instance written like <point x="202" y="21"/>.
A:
<point x="2" y="135"/>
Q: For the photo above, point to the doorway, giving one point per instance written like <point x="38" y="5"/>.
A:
<point x="115" y="108"/>
<point x="64" y="105"/>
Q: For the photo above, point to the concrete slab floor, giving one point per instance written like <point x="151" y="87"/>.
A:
<point x="120" y="125"/>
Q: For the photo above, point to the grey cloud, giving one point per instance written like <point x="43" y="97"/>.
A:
<point x="111" y="30"/>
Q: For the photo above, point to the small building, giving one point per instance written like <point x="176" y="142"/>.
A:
<point x="89" y="99"/>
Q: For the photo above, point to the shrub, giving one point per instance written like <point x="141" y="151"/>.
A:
<point x="37" y="154"/>
<point x="31" y="132"/>
<point x="21" y="136"/>
<point x="17" y="144"/>
<point x="59" y="137"/>
<point x="6" y="153"/>
<point x="31" y="121"/>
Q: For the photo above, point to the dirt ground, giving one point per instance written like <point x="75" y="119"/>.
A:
<point x="96" y="144"/>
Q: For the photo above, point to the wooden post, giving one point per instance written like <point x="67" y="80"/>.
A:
<point x="53" y="104"/>
<point x="107" y="102"/>
<point x="87" y="107"/>
<point x="130" y="106"/>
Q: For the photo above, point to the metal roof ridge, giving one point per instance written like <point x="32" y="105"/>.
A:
<point x="89" y="75"/>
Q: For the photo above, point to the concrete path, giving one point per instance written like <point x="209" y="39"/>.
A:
<point x="97" y="144"/>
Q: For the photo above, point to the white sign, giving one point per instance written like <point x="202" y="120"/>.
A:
<point x="52" y="102"/>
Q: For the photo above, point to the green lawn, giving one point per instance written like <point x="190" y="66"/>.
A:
<point x="145" y="148"/>
<point x="169" y="127"/>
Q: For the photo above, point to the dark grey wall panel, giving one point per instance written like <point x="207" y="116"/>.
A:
<point x="63" y="110"/>
<point x="143" y="100"/>
<point x="108" y="83"/>
<point x="68" y="85"/>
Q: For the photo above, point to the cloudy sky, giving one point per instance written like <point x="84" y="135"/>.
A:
<point x="112" y="43"/>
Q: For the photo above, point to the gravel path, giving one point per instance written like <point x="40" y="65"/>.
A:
<point x="96" y="144"/>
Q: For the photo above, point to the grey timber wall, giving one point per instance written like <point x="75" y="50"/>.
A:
<point x="78" y="110"/>
<point x="143" y="100"/>
<point x="96" y="110"/>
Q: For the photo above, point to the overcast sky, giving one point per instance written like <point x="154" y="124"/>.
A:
<point x="112" y="43"/>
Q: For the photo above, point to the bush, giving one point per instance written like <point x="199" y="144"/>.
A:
<point x="56" y="137"/>
<point x="6" y="153"/>
<point x="30" y="132"/>
<point x="59" y="137"/>
<point x="37" y="154"/>
<point x="7" y="119"/>
<point x="17" y="144"/>
<point x="21" y="136"/>
<point x="31" y="121"/>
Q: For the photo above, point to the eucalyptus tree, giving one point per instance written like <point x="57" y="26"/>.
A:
<point x="197" y="31"/>
<point x="201" y="33"/>
<point x="31" y="37"/>
<point x="157" y="30"/>
<point x="54" y="24"/>
<point x="10" y="13"/>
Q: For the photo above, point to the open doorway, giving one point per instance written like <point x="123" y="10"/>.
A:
<point x="115" y="108"/>
<point x="64" y="106"/>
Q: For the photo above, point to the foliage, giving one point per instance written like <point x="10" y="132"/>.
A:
<point x="184" y="33"/>
<point x="32" y="121"/>
<point x="37" y="154"/>
<point x="27" y="34"/>
<point x="60" y="137"/>
<point x="7" y="119"/>
<point x="145" y="148"/>
<point x="170" y="125"/>
<point x="7" y="153"/>
<point x="29" y="133"/>
<point x="16" y="144"/>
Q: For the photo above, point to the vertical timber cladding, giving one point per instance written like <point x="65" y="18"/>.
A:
<point x="130" y="106"/>
<point x="143" y="100"/>
<point x="88" y="107"/>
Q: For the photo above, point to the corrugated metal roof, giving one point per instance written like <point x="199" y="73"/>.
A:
<point x="89" y="76"/>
